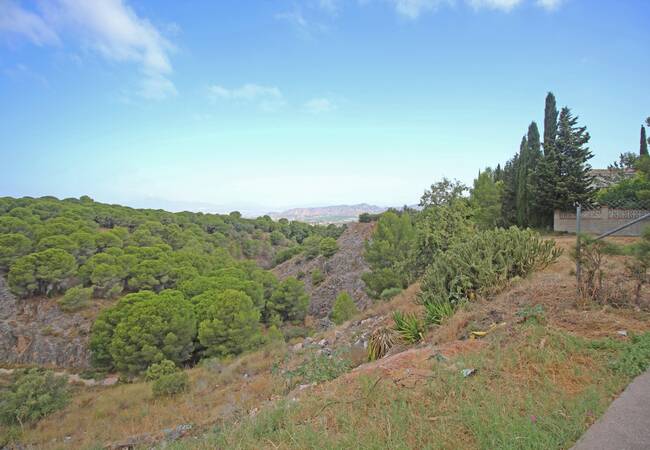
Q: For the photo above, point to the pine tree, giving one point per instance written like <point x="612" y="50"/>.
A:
<point x="574" y="183"/>
<point x="550" y="122"/>
<point x="644" y="143"/>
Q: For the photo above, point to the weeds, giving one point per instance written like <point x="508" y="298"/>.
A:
<point x="318" y="368"/>
<point x="532" y="314"/>
<point x="635" y="357"/>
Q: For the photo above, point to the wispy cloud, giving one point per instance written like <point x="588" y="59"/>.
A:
<point x="319" y="105"/>
<point x="16" y="20"/>
<point x="304" y="27"/>
<point x="502" y="5"/>
<point x="266" y="98"/>
<point x="109" y="27"/>
<point x="550" y="5"/>
<point x="412" y="9"/>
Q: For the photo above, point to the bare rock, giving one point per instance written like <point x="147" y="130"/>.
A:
<point x="37" y="332"/>
<point x="342" y="271"/>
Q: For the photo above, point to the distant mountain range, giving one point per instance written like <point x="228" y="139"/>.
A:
<point x="328" y="214"/>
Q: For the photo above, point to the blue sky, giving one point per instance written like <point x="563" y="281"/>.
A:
<point x="262" y="105"/>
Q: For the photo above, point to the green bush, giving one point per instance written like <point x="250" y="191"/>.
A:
<point x="75" y="299"/>
<point x="164" y="367"/>
<point x="317" y="277"/>
<point x="328" y="247"/>
<point x="484" y="263"/>
<point x="319" y="368"/>
<point x="311" y="245"/>
<point x="170" y="384"/>
<point x="343" y="309"/>
<point x="286" y="254"/>
<point x="33" y="395"/>
<point x="389" y="293"/>
<point x="408" y="327"/>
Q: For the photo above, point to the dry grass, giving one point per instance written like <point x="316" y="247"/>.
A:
<point x="420" y="401"/>
<point x="98" y="416"/>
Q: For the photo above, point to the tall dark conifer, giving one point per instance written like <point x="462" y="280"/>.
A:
<point x="644" y="143"/>
<point x="575" y="182"/>
<point x="521" y="183"/>
<point x="550" y="122"/>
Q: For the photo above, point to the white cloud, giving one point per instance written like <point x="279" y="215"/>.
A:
<point x="549" y="5"/>
<point x="320" y="105"/>
<point x="412" y="9"/>
<point x="267" y="98"/>
<point x="331" y="6"/>
<point x="108" y="27"/>
<point x="503" y="5"/>
<point x="16" y="20"/>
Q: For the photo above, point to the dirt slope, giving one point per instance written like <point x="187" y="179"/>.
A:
<point x="342" y="271"/>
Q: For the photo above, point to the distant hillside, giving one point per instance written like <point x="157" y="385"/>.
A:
<point x="328" y="214"/>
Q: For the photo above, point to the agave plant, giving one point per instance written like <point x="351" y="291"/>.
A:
<point x="408" y="326"/>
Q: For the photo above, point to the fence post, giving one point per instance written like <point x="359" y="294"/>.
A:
<point x="578" y="266"/>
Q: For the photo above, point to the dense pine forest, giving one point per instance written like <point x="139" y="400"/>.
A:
<point x="190" y="284"/>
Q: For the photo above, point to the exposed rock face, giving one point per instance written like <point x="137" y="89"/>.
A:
<point x="37" y="332"/>
<point x="342" y="271"/>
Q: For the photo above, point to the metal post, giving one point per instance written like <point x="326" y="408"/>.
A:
<point x="578" y="267"/>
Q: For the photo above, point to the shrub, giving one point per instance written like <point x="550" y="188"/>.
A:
<point x="75" y="299"/>
<point x="380" y="280"/>
<point x="408" y="327"/>
<point x="484" y="263"/>
<point x="164" y="367"/>
<point x="343" y="309"/>
<point x="317" y="277"/>
<point x="311" y="246"/>
<point x="286" y="254"/>
<point x="319" y="368"/>
<point x="380" y="342"/>
<point x="328" y="247"/>
<point x="33" y="395"/>
<point x="389" y="293"/>
<point x="170" y="384"/>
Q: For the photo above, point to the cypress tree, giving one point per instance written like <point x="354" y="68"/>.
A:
<point x="644" y="143"/>
<point x="509" y="199"/>
<point x="534" y="158"/>
<point x="550" y="122"/>
<point x="574" y="183"/>
<point x="521" y="202"/>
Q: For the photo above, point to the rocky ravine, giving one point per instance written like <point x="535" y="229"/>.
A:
<point x="342" y="271"/>
<point x="37" y="332"/>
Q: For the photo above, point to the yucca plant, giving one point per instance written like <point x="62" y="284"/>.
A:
<point x="380" y="342"/>
<point x="437" y="311"/>
<point x="408" y="327"/>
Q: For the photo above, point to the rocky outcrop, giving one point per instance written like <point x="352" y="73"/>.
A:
<point x="342" y="271"/>
<point x="36" y="332"/>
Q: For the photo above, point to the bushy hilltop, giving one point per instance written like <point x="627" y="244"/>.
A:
<point x="190" y="283"/>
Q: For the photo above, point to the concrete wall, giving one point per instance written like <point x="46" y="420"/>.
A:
<point x="601" y="220"/>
